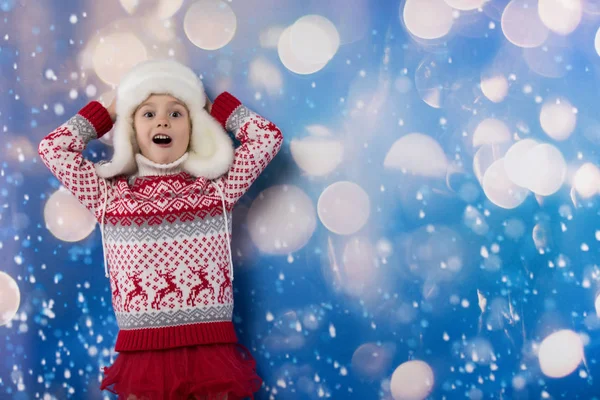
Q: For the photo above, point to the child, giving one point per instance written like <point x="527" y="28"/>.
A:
<point x="164" y="206"/>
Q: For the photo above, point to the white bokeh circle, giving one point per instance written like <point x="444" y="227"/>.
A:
<point x="427" y="19"/>
<point x="210" y="24"/>
<point x="548" y="169"/>
<point x="417" y="154"/>
<point x="558" y="119"/>
<point x="500" y="190"/>
<point x="587" y="180"/>
<point x="10" y="298"/>
<point x="281" y="220"/>
<point x="167" y="8"/>
<point x="116" y="54"/>
<point x="560" y="16"/>
<point x="522" y="25"/>
<point x="371" y="360"/>
<point x="516" y="162"/>
<point x="495" y="87"/>
<point x="560" y="353"/>
<point x="289" y="59"/>
<point x="314" y="39"/>
<point x="412" y="380"/>
<point x="319" y="153"/>
<point x="465" y="5"/>
<point x="344" y="207"/>
<point x="66" y="218"/>
<point x="491" y="131"/>
<point x="360" y="276"/>
<point x="487" y="155"/>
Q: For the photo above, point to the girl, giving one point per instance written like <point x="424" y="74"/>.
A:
<point x="164" y="206"/>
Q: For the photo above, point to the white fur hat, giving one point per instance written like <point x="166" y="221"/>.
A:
<point x="211" y="150"/>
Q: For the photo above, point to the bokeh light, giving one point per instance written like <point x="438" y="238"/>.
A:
<point x="289" y="59"/>
<point x="542" y="236"/>
<point x="281" y="219"/>
<point x="10" y="298"/>
<point x="371" y="360"/>
<point x="269" y="38"/>
<point x="560" y="16"/>
<point x="465" y="5"/>
<point x="522" y="25"/>
<point x="265" y="75"/>
<point x="160" y="9"/>
<point x="549" y="60"/>
<point x="548" y="169"/>
<point x="167" y="8"/>
<point x="129" y="5"/>
<point x="517" y="164"/>
<point x="18" y="150"/>
<point x="560" y="353"/>
<point x="418" y="154"/>
<point x="433" y="80"/>
<point x="360" y="276"/>
<point x="558" y="119"/>
<point x="314" y="39"/>
<point x="427" y="19"/>
<point x="116" y="54"/>
<point x="487" y="155"/>
<point x="412" y="380"/>
<point x="587" y="180"/>
<point x="413" y="239"/>
<point x="495" y="87"/>
<point x="344" y="207"/>
<point x="500" y="189"/>
<point x="319" y="153"/>
<point x="66" y="218"/>
<point x="491" y="131"/>
<point x="210" y="24"/>
<point x="308" y="45"/>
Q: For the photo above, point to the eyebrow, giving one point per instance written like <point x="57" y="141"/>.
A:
<point x="149" y="103"/>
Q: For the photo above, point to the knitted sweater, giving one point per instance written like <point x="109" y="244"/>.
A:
<point x="166" y="237"/>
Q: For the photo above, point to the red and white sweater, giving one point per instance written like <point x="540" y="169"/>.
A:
<point x="165" y="236"/>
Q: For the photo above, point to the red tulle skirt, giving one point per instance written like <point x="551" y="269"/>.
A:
<point x="204" y="372"/>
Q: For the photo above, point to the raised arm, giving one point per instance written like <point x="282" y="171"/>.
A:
<point x="260" y="142"/>
<point x="61" y="153"/>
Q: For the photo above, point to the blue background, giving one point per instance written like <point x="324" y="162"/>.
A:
<point x="396" y="315"/>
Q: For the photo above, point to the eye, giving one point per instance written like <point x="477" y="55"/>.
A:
<point x="175" y="114"/>
<point x="148" y="114"/>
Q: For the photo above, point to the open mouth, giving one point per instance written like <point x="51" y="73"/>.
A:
<point x="161" y="139"/>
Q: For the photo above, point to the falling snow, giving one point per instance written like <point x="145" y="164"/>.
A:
<point x="448" y="264"/>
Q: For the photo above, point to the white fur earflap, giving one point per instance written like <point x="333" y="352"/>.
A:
<point x="211" y="149"/>
<point x="123" y="161"/>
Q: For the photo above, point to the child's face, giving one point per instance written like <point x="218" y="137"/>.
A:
<point x="162" y="128"/>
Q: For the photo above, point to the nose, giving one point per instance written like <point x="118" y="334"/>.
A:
<point x="162" y="123"/>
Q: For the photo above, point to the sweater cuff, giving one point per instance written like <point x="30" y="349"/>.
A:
<point x="223" y="106"/>
<point x="98" y="117"/>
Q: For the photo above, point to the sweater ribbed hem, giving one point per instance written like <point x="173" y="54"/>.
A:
<point x="223" y="106"/>
<point x="98" y="116"/>
<point x="175" y="336"/>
